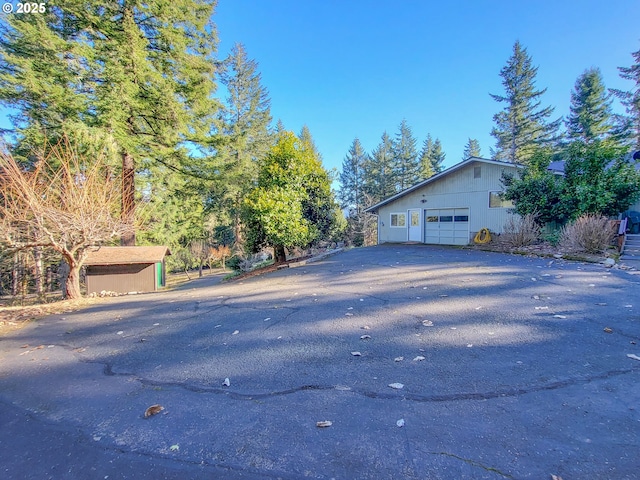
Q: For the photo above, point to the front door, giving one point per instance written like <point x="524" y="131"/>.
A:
<point x="414" y="226"/>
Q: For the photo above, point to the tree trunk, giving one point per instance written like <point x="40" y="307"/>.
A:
<point x="39" y="274"/>
<point x="200" y="268"/>
<point x="128" y="198"/>
<point x="279" y="254"/>
<point x="72" y="286"/>
<point x="15" y="275"/>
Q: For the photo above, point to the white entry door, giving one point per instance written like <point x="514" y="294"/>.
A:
<point x="415" y="232"/>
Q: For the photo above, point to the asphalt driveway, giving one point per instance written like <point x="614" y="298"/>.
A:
<point x="504" y="364"/>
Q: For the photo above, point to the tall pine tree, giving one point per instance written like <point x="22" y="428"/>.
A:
<point x="523" y="125"/>
<point x="590" y="115"/>
<point x="471" y="149"/>
<point x="378" y="172"/>
<point x="406" y="169"/>
<point x="352" y="178"/>
<point x="247" y="138"/>
<point x="631" y="99"/>
<point x="141" y="71"/>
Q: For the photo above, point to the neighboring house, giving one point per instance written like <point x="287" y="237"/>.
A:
<point x="448" y="208"/>
<point x="126" y="269"/>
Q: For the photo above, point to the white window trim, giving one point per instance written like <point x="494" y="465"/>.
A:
<point x="404" y="214"/>
<point x="497" y="192"/>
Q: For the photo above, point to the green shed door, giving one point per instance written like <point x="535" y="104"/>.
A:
<point x="159" y="276"/>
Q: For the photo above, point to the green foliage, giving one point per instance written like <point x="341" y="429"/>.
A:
<point x="378" y="181"/>
<point x="351" y="193"/>
<point x="292" y="204"/>
<point x="631" y="100"/>
<point x="590" y="118"/>
<point x="597" y="180"/>
<point x="406" y="168"/>
<point x="522" y="126"/>
<point x="471" y="149"/>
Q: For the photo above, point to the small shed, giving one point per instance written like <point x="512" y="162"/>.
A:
<point x="126" y="269"/>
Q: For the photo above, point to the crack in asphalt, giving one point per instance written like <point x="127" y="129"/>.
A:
<point x="473" y="463"/>
<point x="404" y="396"/>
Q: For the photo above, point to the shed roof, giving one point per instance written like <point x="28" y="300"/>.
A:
<point x="435" y="178"/>
<point x="126" y="255"/>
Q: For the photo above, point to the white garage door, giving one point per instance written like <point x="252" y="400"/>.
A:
<point x="447" y="226"/>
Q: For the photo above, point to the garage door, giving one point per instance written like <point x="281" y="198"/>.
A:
<point x="447" y="226"/>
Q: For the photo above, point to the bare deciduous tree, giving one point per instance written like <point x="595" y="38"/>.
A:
<point x="65" y="202"/>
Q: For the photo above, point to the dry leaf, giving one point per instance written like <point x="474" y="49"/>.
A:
<point x="608" y="330"/>
<point x="427" y="323"/>
<point x="226" y="383"/>
<point x="396" y="386"/>
<point x="400" y="423"/>
<point x="419" y="358"/>
<point x="153" y="410"/>
<point x="398" y="359"/>
<point x="324" y="424"/>
<point x="631" y="355"/>
<point x="365" y="337"/>
<point x="356" y="354"/>
<point x="174" y="448"/>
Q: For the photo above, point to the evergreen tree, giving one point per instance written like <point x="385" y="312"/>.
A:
<point x="305" y="136"/>
<point x="141" y="71"/>
<point x="406" y="169"/>
<point x="378" y="172"/>
<point x="471" y="149"/>
<point x="437" y="156"/>
<point x="426" y="166"/>
<point x="631" y="99"/>
<point x="522" y="126"/>
<point x="352" y="178"/>
<point x="247" y="139"/>
<point x="590" y="118"/>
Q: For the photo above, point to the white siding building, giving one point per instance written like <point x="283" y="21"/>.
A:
<point x="448" y="208"/>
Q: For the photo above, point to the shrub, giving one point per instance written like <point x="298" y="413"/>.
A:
<point x="588" y="234"/>
<point x="520" y="231"/>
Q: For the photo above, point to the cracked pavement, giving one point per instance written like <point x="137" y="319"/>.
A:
<point x="506" y="367"/>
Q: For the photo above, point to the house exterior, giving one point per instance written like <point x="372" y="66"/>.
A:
<point x="126" y="269"/>
<point x="448" y="208"/>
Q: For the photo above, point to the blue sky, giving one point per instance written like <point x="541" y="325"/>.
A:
<point x="352" y="68"/>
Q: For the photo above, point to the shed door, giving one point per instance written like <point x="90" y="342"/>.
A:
<point x="414" y="226"/>
<point x="447" y="226"/>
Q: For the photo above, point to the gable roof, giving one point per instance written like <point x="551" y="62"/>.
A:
<point x="126" y="255"/>
<point x="437" y="177"/>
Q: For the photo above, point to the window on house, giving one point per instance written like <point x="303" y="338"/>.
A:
<point x="415" y="219"/>
<point x="446" y="218"/>
<point x="461" y="218"/>
<point x="432" y="218"/>
<point x="496" y="201"/>
<point x="477" y="172"/>
<point x="399" y="220"/>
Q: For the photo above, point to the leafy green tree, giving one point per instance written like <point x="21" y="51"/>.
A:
<point x="292" y="204"/>
<point x="522" y="126"/>
<point x="406" y="169"/>
<point x="305" y="136"/>
<point x="536" y="190"/>
<point x="597" y="180"/>
<point x="590" y="118"/>
<point x="631" y="99"/>
<point x="471" y="149"/>
<point x="378" y="171"/>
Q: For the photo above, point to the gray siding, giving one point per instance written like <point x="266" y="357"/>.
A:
<point x="459" y="189"/>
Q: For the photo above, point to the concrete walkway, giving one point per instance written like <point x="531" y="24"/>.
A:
<point x="505" y="365"/>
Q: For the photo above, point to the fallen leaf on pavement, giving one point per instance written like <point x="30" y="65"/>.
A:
<point x="396" y="386"/>
<point x="356" y="354"/>
<point x="153" y="410"/>
<point x="631" y="355"/>
<point x="324" y="424"/>
<point x="608" y="330"/>
<point x="400" y="423"/>
<point x="419" y="358"/>
<point x="226" y="383"/>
